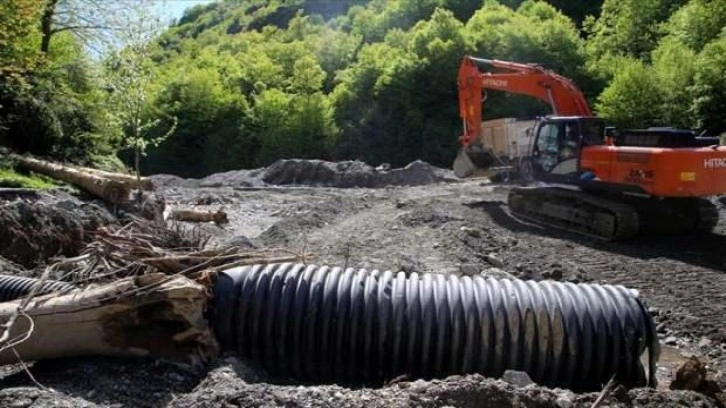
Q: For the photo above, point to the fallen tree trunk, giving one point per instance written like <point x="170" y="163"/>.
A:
<point x="219" y="217"/>
<point x="113" y="191"/>
<point x="151" y="315"/>
<point x="145" y="183"/>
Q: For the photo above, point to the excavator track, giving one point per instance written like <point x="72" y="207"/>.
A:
<point x="612" y="218"/>
<point x="708" y="215"/>
<point x="575" y="211"/>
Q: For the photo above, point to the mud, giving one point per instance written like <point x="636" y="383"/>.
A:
<point x="441" y="227"/>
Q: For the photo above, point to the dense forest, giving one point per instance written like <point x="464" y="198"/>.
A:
<point x="239" y="84"/>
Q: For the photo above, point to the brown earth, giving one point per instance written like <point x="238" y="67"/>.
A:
<point x="441" y="227"/>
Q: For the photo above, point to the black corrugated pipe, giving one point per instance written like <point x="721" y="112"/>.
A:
<point x="317" y="323"/>
<point x="15" y="287"/>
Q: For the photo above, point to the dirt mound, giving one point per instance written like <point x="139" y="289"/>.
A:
<point x="168" y="180"/>
<point x="231" y="384"/>
<point x="351" y="174"/>
<point x="236" y="178"/>
<point x="32" y="231"/>
<point x="316" y="173"/>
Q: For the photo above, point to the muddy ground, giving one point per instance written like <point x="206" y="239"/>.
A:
<point x="436" y="225"/>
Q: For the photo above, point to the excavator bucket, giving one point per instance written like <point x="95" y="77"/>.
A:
<point x="476" y="161"/>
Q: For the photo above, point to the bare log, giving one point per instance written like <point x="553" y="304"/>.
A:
<point x="145" y="184"/>
<point x="219" y="217"/>
<point x="151" y="315"/>
<point x="112" y="191"/>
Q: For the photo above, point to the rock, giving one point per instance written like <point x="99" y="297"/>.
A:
<point x="493" y="260"/>
<point x="21" y="403"/>
<point x="409" y="264"/>
<point x="690" y="375"/>
<point x="240" y="241"/>
<point x="671" y="340"/>
<point x="704" y="342"/>
<point x="564" y="403"/>
<point x="495" y="273"/>
<point x="661" y="328"/>
<point x="469" y="269"/>
<point x="518" y="378"/>
<point x="554" y="274"/>
<point x="654" y="311"/>
<point x="207" y="199"/>
<point x="151" y="207"/>
<point x="472" y="232"/>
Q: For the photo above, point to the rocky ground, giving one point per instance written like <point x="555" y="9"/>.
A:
<point x="415" y="219"/>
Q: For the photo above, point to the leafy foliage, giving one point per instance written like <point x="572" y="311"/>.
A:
<point x="685" y="71"/>
<point x="19" y="22"/>
<point x="629" y="27"/>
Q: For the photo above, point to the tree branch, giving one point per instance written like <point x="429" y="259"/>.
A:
<point x="80" y="27"/>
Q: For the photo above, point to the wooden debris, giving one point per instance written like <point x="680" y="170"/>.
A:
<point x="144" y="184"/>
<point x="113" y="191"/>
<point x="219" y="217"/>
<point x="145" y="289"/>
<point x="152" y="315"/>
<point x="141" y="248"/>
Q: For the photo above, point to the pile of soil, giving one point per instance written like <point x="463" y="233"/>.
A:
<point x="351" y="174"/>
<point x="47" y="225"/>
<point x="231" y="385"/>
<point x="316" y="173"/>
<point x="36" y="227"/>
<point x="108" y="382"/>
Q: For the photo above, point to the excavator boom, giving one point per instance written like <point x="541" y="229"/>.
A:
<point x="563" y="96"/>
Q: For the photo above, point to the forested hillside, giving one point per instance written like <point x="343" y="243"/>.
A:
<point x="248" y="82"/>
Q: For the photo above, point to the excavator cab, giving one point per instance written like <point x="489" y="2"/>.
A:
<point x="557" y="146"/>
<point x="555" y="136"/>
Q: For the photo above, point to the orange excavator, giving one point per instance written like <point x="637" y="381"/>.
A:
<point x="588" y="178"/>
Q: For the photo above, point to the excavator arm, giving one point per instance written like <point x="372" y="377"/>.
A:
<point x="563" y="96"/>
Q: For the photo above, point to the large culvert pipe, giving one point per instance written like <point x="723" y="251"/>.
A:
<point x="329" y="324"/>
<point x="15" y="287"/>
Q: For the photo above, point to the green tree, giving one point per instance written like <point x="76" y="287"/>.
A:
<point x="577" y="10"/>
<point x="129" y="79"/>
<point x="633" y="98"/>
<point x="209" y="135"/>
<point x="709" y="91"/>
<point x="18" y="19"/>
<point x="674" y="70"/>
<point x="697" y="23"/>
<point x="398" y="101"/>
<point x="628" y="27"/>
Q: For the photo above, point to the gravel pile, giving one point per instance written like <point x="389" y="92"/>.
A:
<point x="316" y="173"/>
